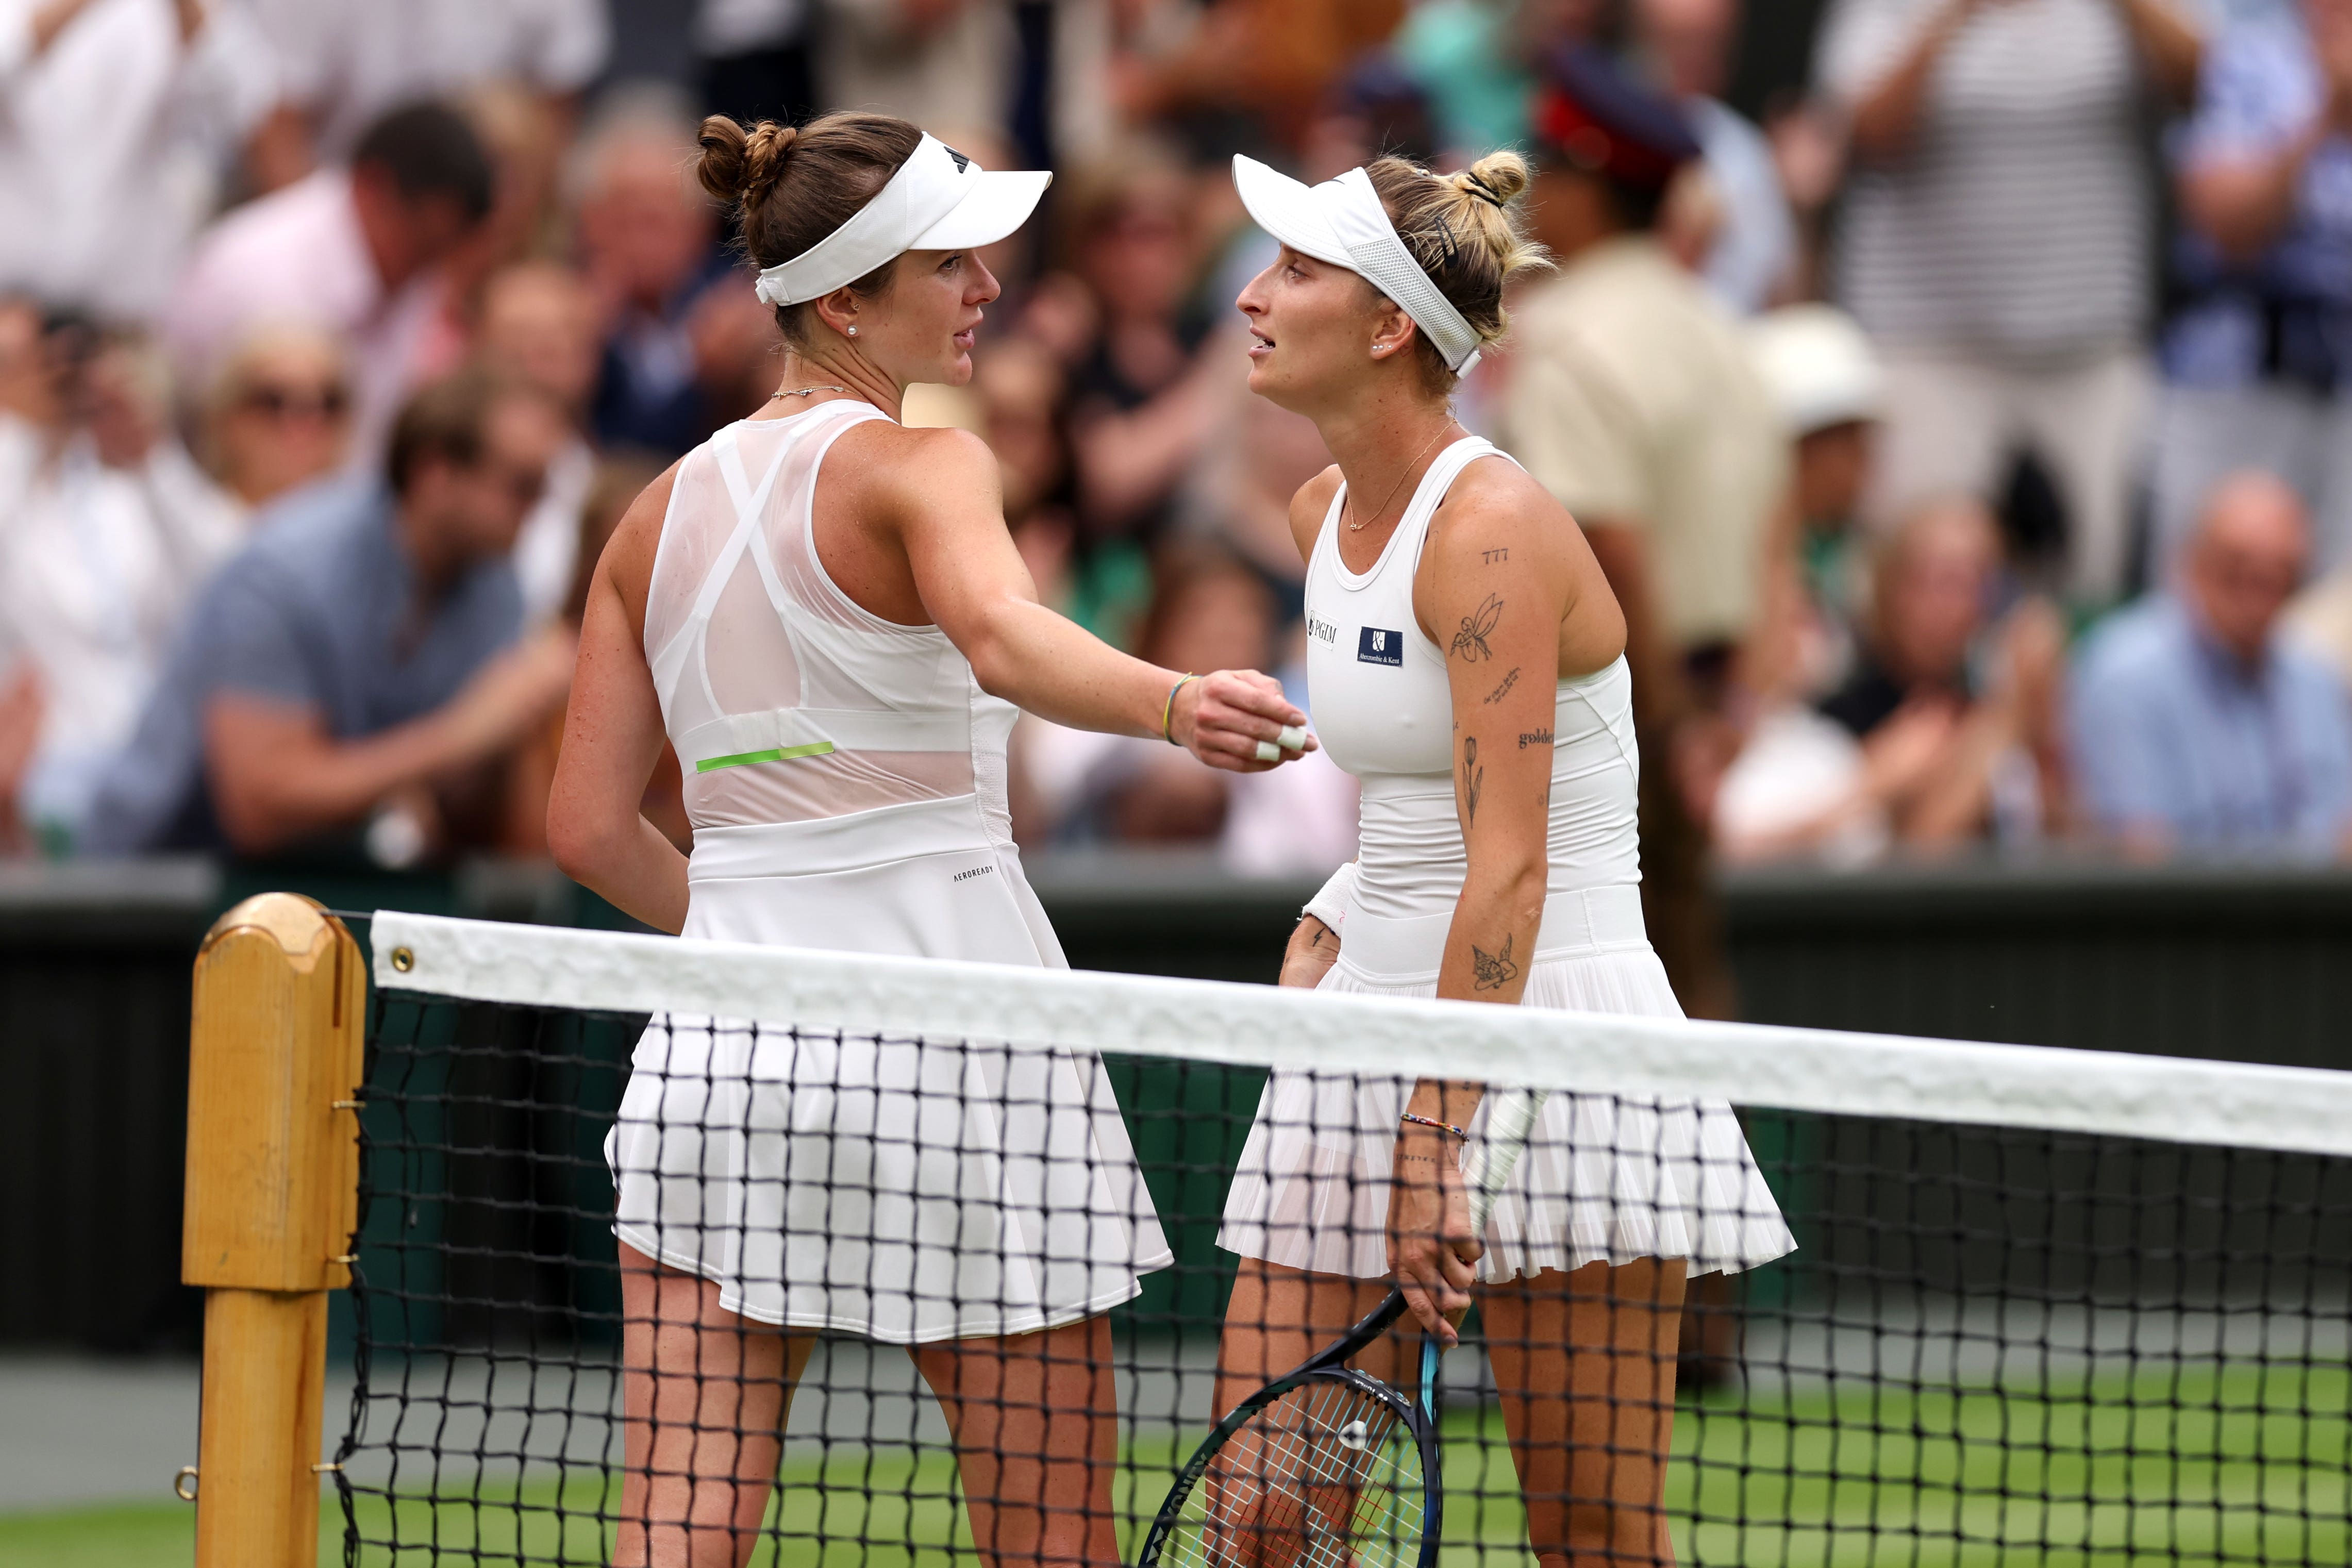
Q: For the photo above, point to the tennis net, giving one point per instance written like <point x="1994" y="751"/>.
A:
<point x="2043" y="1306"/>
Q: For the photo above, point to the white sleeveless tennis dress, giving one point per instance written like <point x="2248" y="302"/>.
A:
<point x="846" y="779"/>
<point x="1604" y="1177"/>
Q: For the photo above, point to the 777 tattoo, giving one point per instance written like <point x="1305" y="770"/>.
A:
<point x="1492" y="971"/>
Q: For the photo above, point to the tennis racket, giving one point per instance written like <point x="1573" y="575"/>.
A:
<point x="1327" y="1467"/>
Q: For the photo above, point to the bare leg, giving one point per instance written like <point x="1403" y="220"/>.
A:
<point x="1586" y="1365"/>
<point x="704" y="1394"/>
<point x="1036" y="1423"/>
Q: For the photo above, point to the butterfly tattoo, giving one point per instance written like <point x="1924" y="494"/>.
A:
<point x="1470" y="642"/>
<point x="1492" y="971"/>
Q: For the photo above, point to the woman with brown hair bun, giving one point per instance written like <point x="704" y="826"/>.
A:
<point x="823" y="612"/>
<point x="1498" y="862"/>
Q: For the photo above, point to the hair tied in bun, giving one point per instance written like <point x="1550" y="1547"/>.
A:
<point x="1480" y="188"/>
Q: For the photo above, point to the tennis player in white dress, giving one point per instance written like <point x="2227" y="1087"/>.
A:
<point x="1466" y="658"/>
<point x="822" y="612"/>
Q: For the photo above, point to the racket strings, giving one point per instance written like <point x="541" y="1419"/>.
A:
<point x="1325" y="1478"/>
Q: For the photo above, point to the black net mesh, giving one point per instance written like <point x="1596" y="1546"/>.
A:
<point x="1989" y="1346"/>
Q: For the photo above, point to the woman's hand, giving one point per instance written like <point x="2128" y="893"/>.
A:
<point x="1430" y="1248"/>
<point x="1222" y="717"/>
<point x="1314" y="949"/>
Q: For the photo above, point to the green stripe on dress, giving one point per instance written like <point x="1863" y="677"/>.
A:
<point x="774" y="754"/>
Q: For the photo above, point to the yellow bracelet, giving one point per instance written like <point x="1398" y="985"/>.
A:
<point x="1168" y="709"/>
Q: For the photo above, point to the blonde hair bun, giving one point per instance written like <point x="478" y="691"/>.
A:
<point x="1499" y="178"/>
<point x="1464" y="229"/>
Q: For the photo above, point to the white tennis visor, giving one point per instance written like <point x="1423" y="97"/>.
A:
<point x="1342" y="222"/>
<point x="938" y="200"/>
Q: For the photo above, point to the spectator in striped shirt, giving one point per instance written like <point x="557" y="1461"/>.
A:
<point x="1997" y="237"/>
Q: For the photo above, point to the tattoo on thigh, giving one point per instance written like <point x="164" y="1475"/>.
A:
<point x="1474" y="779"/>
<point x="1492" y="971"/>
<point x="1470" y="642"/>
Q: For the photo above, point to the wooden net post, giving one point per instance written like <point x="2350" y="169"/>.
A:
<point x="274" y="1068"/>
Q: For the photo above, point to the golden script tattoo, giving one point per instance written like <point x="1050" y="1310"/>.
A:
<point x="1470" y="642"/>
<point x="1492" y="971"/>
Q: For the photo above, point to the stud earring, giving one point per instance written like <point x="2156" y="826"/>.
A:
<point x="853" y="332"/>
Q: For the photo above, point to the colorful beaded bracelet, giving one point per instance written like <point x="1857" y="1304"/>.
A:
<point x="1433" y="1121"/>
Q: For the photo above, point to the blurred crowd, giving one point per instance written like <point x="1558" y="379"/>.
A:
<point x="1964" y="431"/>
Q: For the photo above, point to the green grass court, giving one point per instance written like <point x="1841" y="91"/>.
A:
<point x="2247" y="1464"/>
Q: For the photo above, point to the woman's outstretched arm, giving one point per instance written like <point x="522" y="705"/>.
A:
<point x="949" y="510"/>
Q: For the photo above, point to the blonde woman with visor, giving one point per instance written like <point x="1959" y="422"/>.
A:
<point x="822" y="611"/>
<point x="1467" y="662"/>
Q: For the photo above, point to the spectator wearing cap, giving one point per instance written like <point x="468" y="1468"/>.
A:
<point x="1633" y="400"/>
<point x="2196" y="725"/>
<point x="1995" y="241"/>
<point x="1793" y="789"/>
<point x="354" y="251"/>
<point x="117" y="120"/>
<point x="2258" y="352"/>
<point x="358" y="659"/>
<point x="1828" y="388"/>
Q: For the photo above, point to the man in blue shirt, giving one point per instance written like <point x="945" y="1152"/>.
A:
<point x="2195" y="724"/>
<point x="361" y="653"/>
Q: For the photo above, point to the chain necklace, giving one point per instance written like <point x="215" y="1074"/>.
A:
<point x="1360" y="527"/>
<point x="805" y="391"/>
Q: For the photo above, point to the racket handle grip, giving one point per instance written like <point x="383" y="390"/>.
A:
<point x="1510" y="1120"/>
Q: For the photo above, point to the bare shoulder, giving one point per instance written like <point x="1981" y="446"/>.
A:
<point x="1497" y="506"/>
<point x="629" y="558"/>
<point x="1310" y="506"/>
<point x="919" y="466"/>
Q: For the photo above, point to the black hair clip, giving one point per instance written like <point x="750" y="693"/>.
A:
<point x="1445" y="238"/>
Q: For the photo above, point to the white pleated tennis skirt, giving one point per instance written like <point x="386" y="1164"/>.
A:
<point x="900" y="1189"/>
<point x="1610" y="1178"/>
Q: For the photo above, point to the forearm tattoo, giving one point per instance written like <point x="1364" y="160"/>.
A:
<point x="1492" y="971"/>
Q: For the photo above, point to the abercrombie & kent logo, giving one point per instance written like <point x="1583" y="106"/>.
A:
<point x="1376" y="645"/>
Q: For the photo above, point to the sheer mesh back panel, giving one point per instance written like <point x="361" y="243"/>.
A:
<point x="892" y="1299"/>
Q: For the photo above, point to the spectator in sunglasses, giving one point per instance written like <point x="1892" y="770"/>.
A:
<point x="354" y="678"/>
<point x="279" y="416"/>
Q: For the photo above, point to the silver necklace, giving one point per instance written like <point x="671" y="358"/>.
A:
<point x="1409" y="467"/>
<point x="805" y="391"/>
